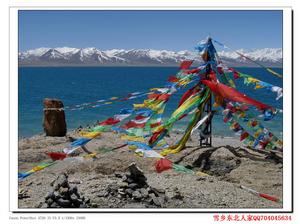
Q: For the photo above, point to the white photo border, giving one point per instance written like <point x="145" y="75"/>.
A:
<point x="287" y="114"/>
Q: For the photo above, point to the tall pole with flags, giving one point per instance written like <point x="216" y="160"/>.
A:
<point x="206" y="133"/>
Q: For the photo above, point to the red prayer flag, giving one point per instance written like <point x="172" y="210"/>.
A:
<point x="187" y="94"/>
<point x="172" y="79"/>
<point x="159" y="96"/>
<point x="220" y="70"/>
<point x="244" y="135"/>
<point x="155" y="136"/>
<point x="235" y="73"/>
<point x="227" y="117"/>
<point x="186" y="64"/>
<point x="254" y="123"/>
<point x="162" y="165"/>
<point x="132" y="124"/>
<point x="212" y="76"/>
<point x="57" y="155"/>
<point x="155" y="124"/>
<point x="264" y="144"/>
<point x="124" y="99"/>
<point x="182" y="116"/>
<point x="231" y="108"/>
<point x="164" y="96"/>
<point x="109" y="121"/>
<point x="153" y="95"/>
<point x="233" y="95"/>
<point x="140" y="117"/>
<point x="266" y="196"/>
<point x="195" y="70"/>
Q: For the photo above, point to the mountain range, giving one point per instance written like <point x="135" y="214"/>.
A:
<point x="67" y="56"/>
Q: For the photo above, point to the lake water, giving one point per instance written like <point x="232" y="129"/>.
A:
<point x="76" y="85"/>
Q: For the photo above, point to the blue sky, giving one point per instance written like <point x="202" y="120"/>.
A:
<point x="171" y="30"/>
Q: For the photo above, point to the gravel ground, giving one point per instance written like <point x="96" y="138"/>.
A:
<point x="219" y="190"/>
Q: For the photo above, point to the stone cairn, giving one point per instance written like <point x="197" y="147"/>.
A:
<point x="134" y="188"/>
<point x="63" y="195"/>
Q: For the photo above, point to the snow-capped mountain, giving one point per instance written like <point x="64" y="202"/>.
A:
<point x="65" y="56"/>
<point x="265" y="56"/>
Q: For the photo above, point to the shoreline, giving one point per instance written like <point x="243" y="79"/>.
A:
<point x="176" y="130"/>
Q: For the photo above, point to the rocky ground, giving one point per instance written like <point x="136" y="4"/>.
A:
<point x="107" y="181"/>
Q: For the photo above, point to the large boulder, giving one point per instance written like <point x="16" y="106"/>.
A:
<point x="54" y="118"/>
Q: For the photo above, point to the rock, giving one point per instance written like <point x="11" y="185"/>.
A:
<point x="121" y="195"/>
<point x="201" y="178"/>
<point x="129" y="191"/>
<point x="74" y="197"/>
<point x="137" y="174"/>
<point x="44" y="205"/>
<point x="56" y="195"/>
<point x="49" y="201"/>
<point x="64" y="203"/>
<point x="50" y="194"/>
<point x="39" y="205"/>
<point x="30" y="183"/>
<point x="112" y="188"/>
<point x="144" y="192"/>
<point x="75" y="181"/>
<point x="54" y="120"/>
<point x="136" y="195"/>
<point x="123" y="185"/>
<point x="52" y="183"/>
<point x="124" y="178"/>
<point x="133" y="185"/>
<point x="103" y="193"/>
<point x="73" y="189"/>
<point x="129" y="180"/>
<point x="63" y="191"/>
<point x="121" y="191"/>
<point x="94" y="205"/>
<point x="157" y="191"/>
<point x="178" y="195"/>
<point x="77" y="203"/>
<point x="23" y="194"/>
<point x="134" y="170"/>
<point x="54" y="205"/>
<point x="118" y="175"/>
<point x="152" y="195"/>
<point x="62" y="180"/>
<point x="56" y="186"/>
<point x="158" y="201"/>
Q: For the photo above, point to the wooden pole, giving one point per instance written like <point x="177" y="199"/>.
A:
<point x="205" y="135"/>
<point x="54" y="118"/>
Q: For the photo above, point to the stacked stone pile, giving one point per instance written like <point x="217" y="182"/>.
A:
<point x="134" y="188"/>
<point x="64" y="195"/>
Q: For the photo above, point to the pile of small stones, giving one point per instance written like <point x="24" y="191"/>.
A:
<point x="64" y="195"/>
<point x="134" y="188"/>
